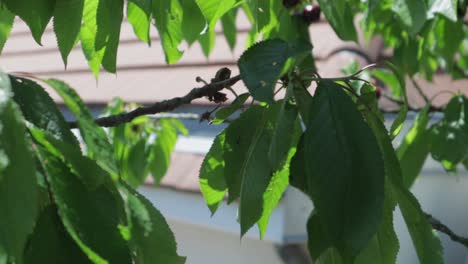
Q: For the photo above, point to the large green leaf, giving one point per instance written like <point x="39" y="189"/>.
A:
<point x="92" y="217"/>
<point x="97" y="143"/>
<point x="67" y="24"/>
<point x="213" y="10"/>
<point x="414" y="149"/>
<point x="449" y="137"/>
<point x="6" y="23"/>
<point x="344" y="168"/>
<point x="39" y="108"/>
<point x="340" y="16"/>
<point x="151" y="237"/>
<point x="108" y="21"/>
<point x="36" y="13"/>
<point x="248" y="170"/>
<point x="262" y="65"/>
<point x="168" y="19"/>
<point x="18" y="186"/>
<point x="139" y="15"/>
<point x="212" y="183"/>
<point x="427" y="243"/>
<point x="50" y="242"/>
<point x="193" y="21"/>
<point x="413" y="14"/>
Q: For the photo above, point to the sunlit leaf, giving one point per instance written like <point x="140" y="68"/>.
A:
<point x="212" y="182"/>
<point x="139" y="15"/>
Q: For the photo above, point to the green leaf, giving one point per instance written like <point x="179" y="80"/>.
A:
<point x="274" y="192"/>
<point x="330" y="256"/>
<point x="152" y="239"/>
<point x="108" y="21"/>
<point x="228" y="21"/>
<point x="414" y="149"/>
<point x="383" y="248"/>
<point x="193" y="21"/>
<point x="162" y="149"/>
<point x="413" y="14"/>
<point x="287" y="132"/>
<point x="50" y="242"/>
<point x="449" y="137"/>
<point x="425" y="239"/>
<point x="135" y="164"/>
<point x="213" y="10"/>
<point x="222" y="114"/>
<point x="247" y="170"/>
<point x="18" y="186"/>
<point x="39" y="109"/>
<point x="427" y="244"/>
<point x="6" y="23"/>
<point x="449" y="36"/>
<point x="67" y="24"/>
<point x="399" y="121"/>
<point x="212" y="183"/>
<point x="89" y="172"/>
<point x="297" y="175"/>
<point x="97" y="143"/>
<point x="318" y="238"/>
<point x="90" y="217"/>
<point x="447" y="8"/>
<point x="168" y="20"/>
<point x="390" y="80"/>
<point x="139" y="15"/>
<point x="88" y="36"/>
<point x="344" y="168"/>
<point x="261" y="67"/>
<point x="207" y="41"/>
<point x="340" y="16"/>
<point x="36" y="14"/>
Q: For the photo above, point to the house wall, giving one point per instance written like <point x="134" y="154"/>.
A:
<point x="207" y="246"/>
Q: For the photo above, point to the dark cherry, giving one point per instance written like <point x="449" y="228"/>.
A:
<point x="290" y="3"/>
<point x="311" y="13"/>
<point x="378" y="92"/>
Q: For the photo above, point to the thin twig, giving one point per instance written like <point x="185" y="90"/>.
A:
<point x="420" y="91"/>
<point x="393" y="99"/>
<point x="164" y="106"/>
<point x="439" y="226"/>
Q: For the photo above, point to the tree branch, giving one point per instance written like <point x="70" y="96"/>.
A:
<point x="439" y="226"/>
<point x="164" y="106"/>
